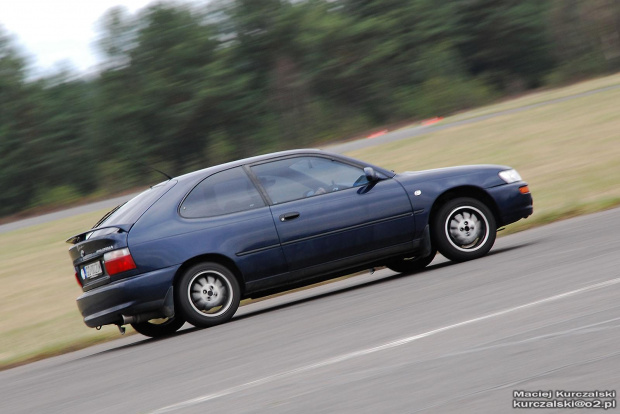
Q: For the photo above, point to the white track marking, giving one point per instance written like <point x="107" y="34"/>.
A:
<point x="367" y="351"/>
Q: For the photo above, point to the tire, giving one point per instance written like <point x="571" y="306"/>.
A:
<point x="464" y="229"/>
<point x="411" y="264"/>
<point x="208" y="294"/>
<point x="157" y="328"/>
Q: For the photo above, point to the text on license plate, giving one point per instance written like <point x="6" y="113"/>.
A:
<point x="91" y="270"/>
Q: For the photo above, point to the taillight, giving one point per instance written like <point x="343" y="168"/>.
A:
<point x="77" y="278"/>
<point x="118" y="261"/>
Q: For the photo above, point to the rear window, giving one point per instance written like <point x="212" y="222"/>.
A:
<point x="131" y="211"/>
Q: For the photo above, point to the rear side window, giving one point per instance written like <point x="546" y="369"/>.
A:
<point x="225" y="192"/>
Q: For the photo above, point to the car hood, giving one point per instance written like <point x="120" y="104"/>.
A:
<point x="461" y="169"/>
<point x="484" y="175"/>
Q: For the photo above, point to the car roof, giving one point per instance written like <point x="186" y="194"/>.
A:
<point x="259" y="158"/>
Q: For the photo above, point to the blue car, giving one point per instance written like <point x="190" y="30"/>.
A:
<point x="191" y="248"/>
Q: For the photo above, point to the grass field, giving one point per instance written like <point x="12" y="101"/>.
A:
<point x="38" y="292"/>
<point x="569" y="152"/>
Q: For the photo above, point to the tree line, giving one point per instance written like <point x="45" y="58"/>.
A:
<point x="183" y="87"/>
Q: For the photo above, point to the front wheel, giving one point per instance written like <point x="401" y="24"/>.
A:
<point x="464" y="229"/>
<point x="156" y="328"/>
<point x="208" y="294"/>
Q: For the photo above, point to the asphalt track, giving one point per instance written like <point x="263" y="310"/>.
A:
<point x="340" y="148"/>
<point x="540" y="312"/>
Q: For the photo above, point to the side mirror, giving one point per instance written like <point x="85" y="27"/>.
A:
<point x="371" y="174"/>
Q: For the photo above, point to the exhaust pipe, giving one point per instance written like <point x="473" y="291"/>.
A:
<point x="166" y="312"/>
<point x="142" y="317"/>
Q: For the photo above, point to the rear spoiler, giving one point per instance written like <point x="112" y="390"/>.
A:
<point x="82" y="236"/>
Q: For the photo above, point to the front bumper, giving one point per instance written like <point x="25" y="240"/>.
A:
<point x="511" y="203"/>
<point x="148" y="292"/>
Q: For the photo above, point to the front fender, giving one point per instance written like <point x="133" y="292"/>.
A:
<point x="424" y="191"/>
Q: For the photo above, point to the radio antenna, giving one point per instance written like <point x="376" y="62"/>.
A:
<point x="155" y="169"/>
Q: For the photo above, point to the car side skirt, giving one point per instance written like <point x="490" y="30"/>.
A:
<point x="333" y="269"/>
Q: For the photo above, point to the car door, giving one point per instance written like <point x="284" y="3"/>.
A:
<point x="327" y="214"/>
<point x="226" y="215"/>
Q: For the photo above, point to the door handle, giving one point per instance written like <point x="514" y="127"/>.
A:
<point x="289" y="216"/>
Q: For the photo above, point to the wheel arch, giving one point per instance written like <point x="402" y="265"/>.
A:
<point x="215" y="258"/>
<point x="465" y="191"/>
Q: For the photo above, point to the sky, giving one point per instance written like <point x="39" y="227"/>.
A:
<point x="51" y="31"/>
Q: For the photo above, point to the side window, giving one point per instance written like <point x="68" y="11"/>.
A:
<point x="225" y="192"/>
<point x="294" y="178"/>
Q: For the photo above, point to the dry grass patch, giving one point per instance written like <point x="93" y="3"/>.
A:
<point x="39" y="291"/>
<point x="540" y="97"/>
<point x="569" y="152"/>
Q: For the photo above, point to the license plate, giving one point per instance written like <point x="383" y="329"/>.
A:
<point x="91" y="270"/>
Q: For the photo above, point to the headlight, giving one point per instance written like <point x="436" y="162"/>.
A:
<point x="510" y="176"/>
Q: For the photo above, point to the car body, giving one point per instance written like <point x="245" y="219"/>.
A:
<point x="190" y="248"/>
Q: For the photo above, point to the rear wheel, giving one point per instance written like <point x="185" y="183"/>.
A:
<point x="411" y="264"/>
<point x="208" y="294"/>
<point x="464" y="229"/>
<point x="156" y="328"/>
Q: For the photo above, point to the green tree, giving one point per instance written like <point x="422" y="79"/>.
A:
<point x="586" y="37"/>
<point x="506" y="42"/>
<point x="151" y="100"/>
<point x="63" y="144"/>
<point x="17" y="129"/>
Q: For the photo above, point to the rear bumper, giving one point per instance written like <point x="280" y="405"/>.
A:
<point x="512" y="204"/>
<point x="148" y="292"/>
